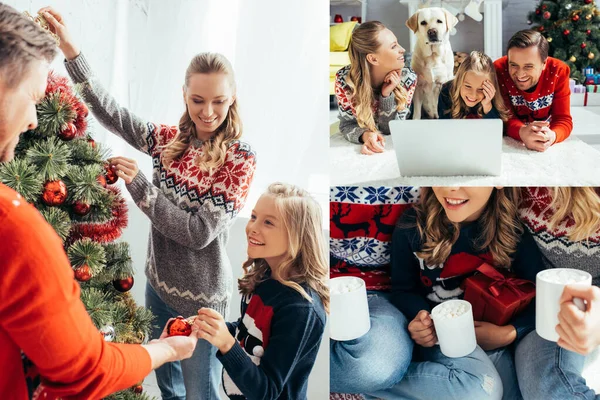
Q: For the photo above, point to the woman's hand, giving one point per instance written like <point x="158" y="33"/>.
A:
<point x="171" y="348"/>
<point x="373" y="143"/>
<point x="490" y="336"/>
<point x="489" y="91"/>
<point x="390" y="82"/>
<point x="57" y="26"/>
<point x="125" y="168"/>
<point x="421" y="329"/>
<point x="212" y="328"/>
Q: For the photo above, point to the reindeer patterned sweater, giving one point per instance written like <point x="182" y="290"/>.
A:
<point x="384" y="108"/>
<point x="417" y="286"/>
<point x="190" y="210"/>
<point x="277" y="340"/>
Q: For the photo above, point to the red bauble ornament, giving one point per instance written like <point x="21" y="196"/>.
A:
<point x="83" y="273"/>
<point x="110" y="174"/>
<point x="546" y="15"/>
<point x="541" y="29"/>
<point x="588" y="1"/>
<point x="544" y="7"/>
<point x="338" y="18"/>
<point x="123" y="285"/>
<point x="81" y="208"/>
<point x="101" y="180"/>
<point x="92" y="143"/>
<point x="583" y="45"/>
<point x="179" y="327"/>
<point x="55" y="193"/>
<point x="69" y="132"/>
<point x="138" y="389"/>
<point x="538" y="11"/>
<point x="588" y="32"/>
<point x="566" y="32"/>
<point x="575" y="18"/>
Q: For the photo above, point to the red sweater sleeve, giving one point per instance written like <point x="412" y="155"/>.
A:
<point x="41" y="312"/>
<point x="513" y="124"/>
<point x="561" y="122"/>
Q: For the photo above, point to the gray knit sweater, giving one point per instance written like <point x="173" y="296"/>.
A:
<point x="190" y="210"/>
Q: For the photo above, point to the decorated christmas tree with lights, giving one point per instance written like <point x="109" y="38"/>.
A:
<point x="573" y="29"/>
<point x="62" y="171"/>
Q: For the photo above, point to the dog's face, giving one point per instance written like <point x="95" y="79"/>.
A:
<point x="432" y="25"/>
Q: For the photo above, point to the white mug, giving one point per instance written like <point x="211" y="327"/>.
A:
<point x="456" y="335"/>
<point x="349" y="308"/>
<point x="550" y="284"/>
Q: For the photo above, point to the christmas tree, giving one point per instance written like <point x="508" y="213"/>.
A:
<point x="62" y="171"/>
<point x="572" y="28"/>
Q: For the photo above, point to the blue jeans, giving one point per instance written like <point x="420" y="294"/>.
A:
<point x="197" y="377"/>
<point x="376" y="360"/>
<point x="504" y="361"/>
<point x="547" y="371"/>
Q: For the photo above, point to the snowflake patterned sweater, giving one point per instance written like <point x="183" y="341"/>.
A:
<point x="550" y="97"/>
<point x="384" y="108"/>
<point x="558" y="251"/>
<point x="417" y="286"/>
<point x="277" y="340"/>
<point x="190" y="210"/>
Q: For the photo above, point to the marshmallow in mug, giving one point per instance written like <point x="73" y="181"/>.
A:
<point x="563" y="276"/>
<point x="346" y="286"/>
<point x="448" y="311"/>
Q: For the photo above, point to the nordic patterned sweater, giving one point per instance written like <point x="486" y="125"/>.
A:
<point x="277" y="340"/>
<point x="445" y="106"/>
<point x="384" y="108"/>
<point x="558" y="251"/>
<point x="417" y="286"/>
<point x="190" y="210"/>
<point x="550" y="97"/>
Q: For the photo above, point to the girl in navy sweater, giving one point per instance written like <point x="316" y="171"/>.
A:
<point x="474" y="91"/>
<point x="269" y="351"/>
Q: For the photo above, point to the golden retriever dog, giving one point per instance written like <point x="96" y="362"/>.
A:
<point x="432" y="57"/>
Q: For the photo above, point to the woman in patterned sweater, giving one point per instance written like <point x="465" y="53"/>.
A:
<point x="565" y="223"/>
<point x="201" y="176"/>
<point x="375" y="88"/>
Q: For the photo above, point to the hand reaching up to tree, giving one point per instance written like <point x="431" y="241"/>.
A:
<point x="58" y="27"/>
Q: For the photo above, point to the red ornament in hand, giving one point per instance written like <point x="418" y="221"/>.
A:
<point x="81" y="208"/>
<point x="83" y="273"/>
<point x="179" y="327"/>
<point x="575" y="18"/>
<point x="110" y="174"/>
<point x="101" y="180"/>
<point x="55" y="193"/>
<point x="583" y="45"/>
<point x="546" y="15"/>
<point x="123" y="285"/>
<point x="69" y="132"/>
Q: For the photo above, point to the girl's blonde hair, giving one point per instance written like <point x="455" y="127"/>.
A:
<point x="214" y="150"/>
<point x="305" y="261"/>
<point x="500" y="229"/>
<point x="363" y="42"/>
<point x="480" y="64"/>
<point x="580" y="203"/>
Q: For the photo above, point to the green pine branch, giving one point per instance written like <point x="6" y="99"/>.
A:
<point x="23" y="178"/>
<point x="51" y="157"/>
<point x="129" y="395"/>
<point x="86" y="251"/>
<point x="82" y="184"/>
<point x="102" y="208"/>
<point x="53" y="115"/>
<point x="98" y="305"/>
<point x="118" y="261"/>
<point x="83" y="153"/>
<point x="59" y="219"/>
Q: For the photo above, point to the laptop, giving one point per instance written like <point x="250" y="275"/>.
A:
<point x="448" y="147"/>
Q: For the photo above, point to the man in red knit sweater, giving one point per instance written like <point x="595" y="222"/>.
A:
<point x="535" y="88"/>
<point x="40" y="310"/>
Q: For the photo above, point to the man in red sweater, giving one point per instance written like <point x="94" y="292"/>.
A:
<point x="40" y="310"/>
<point x="535" y="88"/>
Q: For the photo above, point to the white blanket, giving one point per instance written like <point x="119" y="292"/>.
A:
<point x="570" y="163"/>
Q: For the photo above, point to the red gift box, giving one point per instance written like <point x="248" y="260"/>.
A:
<point x="497" y="297"/>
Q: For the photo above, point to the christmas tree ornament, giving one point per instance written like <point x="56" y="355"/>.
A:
<point x="541" y="29"/>
<point x="110" y="174"/>
<point x="108" y="332"/>
<point x="549" y="40"/>
<point x="92" y="143"/>
<point x="583" y="45"/>
<point x="529" y="22"/>
<point x="123" y="285"/>
<point x="572" y="59"/>
<point x="43" y="23"/>
<point x="83" y="273"/>
<point x="546" y="15"/>
<point x="81" y="208"/>
<point x="588" y="17"/>
<point x="588" y="32"/>
<point x="69" y="132"/>
<point x="179" y="327"/>
<point x="575" y="18"/>
<point x="538" y="11"/>
<point x="568" y="6"/>
<point x="101" y="179"/>
<point x="591" y="56"/>
<point x="338" y="19"/>
<point x="55" y="193"/>
<point x="566" y="32"/>
<point x="544" y="7"/>
<point x="138" y="389"/>
<point x="588" y="1"/>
